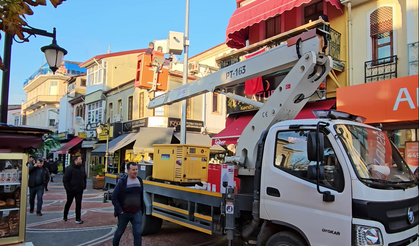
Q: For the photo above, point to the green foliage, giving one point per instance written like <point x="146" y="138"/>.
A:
<point x="100" y="169"/>
<point x="13" y="16"/>
<point x="49" y="142"/>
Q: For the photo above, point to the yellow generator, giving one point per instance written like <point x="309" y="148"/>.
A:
<point x="181" y="163"/>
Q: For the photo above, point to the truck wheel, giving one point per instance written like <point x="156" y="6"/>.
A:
<point x="151" y="225"/>
<point x="285" y="238"/>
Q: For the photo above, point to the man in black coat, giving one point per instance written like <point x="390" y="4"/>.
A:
<point x="74" y="183"/>
<point x="38" y="178"/>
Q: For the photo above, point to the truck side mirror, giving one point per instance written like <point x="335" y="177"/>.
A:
<point x="315" y="151"/>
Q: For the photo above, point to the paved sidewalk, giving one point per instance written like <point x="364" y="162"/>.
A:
<point x="99" y="223"/>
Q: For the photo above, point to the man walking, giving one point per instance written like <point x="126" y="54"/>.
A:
<point x="127" y="199"/>
<point x="74" y="183"/>
<point x="38" y="178"/>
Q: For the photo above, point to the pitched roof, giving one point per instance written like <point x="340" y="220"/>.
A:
<point x="128" y="52"/>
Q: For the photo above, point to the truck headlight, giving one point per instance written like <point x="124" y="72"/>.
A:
<point x="366" y="235"/>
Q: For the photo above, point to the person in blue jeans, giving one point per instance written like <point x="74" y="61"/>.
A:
<point x="128" y="202"/>
<point x="38" y="178"/>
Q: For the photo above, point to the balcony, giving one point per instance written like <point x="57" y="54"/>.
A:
<point x="333" y="38"/>
<point x="381" y="69"/>
<point x="412" y="58"/>
<point x="39" y="101"/>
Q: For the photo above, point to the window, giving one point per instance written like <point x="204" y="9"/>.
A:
<point x="130" y="108"/>
<point x="381" y="31"/>
<point x="273" y="26"/>
<point x="312" y="12"/>
<point x="94" y="112"/>
<point x="97" y="74"/>
<point x="291" y="157"/>
<point x="83" y="82"/>
<point x="53" y="87"/>
<point x="215" y="103"/>
<point x="110" y="110"/>
<point x="51" y="122"/>
<point x="141" y="105"/>
<point x="159" y="111"/>
<point x="119" y="109"/>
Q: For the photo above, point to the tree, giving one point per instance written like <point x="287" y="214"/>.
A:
<point x="12" y="17"/>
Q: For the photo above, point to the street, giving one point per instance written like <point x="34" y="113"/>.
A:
<point x="99" y="224"/>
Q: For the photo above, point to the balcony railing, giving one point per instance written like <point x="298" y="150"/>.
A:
<point x="412" y="58"/>
<point x="381" y="69"/>
<point x="333" y="38"/>
<point x="40" y="100"/>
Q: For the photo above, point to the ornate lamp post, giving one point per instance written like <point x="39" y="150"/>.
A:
<point x="53" y="53"/>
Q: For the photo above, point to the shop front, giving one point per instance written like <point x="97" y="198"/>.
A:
<point x="392" y="103"/>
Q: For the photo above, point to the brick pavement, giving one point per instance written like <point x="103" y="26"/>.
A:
<point x="99" y="224"/>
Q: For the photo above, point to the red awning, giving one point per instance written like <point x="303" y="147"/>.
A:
<point x="232" y="132"/>
<point x="237" y="30"/>
<point x="66" y="147"/>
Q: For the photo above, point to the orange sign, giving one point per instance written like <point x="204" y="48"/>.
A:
<point x="392" y="100"/>
<point x="412" y="153"/>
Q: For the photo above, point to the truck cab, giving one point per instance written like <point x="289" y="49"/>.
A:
<point x="359" y="192"/>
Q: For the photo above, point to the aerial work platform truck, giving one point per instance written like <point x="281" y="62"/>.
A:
<point x="326" y="181"/>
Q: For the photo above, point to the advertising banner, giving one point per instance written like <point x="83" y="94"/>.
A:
<point x="411" y="154"/>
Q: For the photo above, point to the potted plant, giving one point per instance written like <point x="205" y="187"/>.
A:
<point x="98" y="181"/>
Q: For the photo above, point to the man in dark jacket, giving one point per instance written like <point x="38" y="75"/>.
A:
<point x="74" y="183"/>
<point x="47" y="165"/>
<point x="38" y="178"/>
<point x="127" y="199"/>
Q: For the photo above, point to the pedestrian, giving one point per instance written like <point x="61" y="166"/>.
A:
<point x="74" y="183"/>
<point x="128" y="202"/>
<point x="38" y="177"/>
<point x="30" y="161"/>
<point x="53" y="169"/>
<point x="47" y="166"/>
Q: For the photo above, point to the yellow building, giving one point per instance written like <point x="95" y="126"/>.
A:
<point x="43" y="93"/>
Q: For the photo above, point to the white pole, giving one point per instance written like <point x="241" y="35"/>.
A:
<point x="185" y="74"/>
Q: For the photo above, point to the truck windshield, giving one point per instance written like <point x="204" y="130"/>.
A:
<point x="376" y="161"/>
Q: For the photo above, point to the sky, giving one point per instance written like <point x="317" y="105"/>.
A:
<point x="85" y="28"/>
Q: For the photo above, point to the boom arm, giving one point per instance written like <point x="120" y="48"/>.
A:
<point x="273" y="60"/>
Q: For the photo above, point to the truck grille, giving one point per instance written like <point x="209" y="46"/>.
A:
<point x="393" y="215"/>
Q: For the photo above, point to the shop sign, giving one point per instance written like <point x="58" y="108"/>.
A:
<point x="130" y="125"/>
<point x="91" y="130"/>
<point x="191" y="124"/>
<point x="62" y="135"/>
<point x="103" y="135"/>
<point x="392" y="100"/>
<point x="412" y="154"/>
<point x="82" y="135"/>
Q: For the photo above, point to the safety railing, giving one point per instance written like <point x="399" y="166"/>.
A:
<point x="380" y="69"/>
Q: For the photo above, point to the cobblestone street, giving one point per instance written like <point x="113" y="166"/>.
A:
<point x="99" y="224"/>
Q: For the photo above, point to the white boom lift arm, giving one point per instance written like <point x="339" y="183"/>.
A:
<point x="307" y="72"/>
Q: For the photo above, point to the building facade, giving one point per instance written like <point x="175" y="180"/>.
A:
<point x="383" y="68"/>
<point x="44" y="89"/>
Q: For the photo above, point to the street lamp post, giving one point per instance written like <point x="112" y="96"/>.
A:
<point x="53" y="53"/>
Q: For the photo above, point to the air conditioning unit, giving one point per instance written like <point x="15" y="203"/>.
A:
<point x="193" y="67"/>
<point x="117" y="118"/>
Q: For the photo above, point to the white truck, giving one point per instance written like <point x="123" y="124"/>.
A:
<point x="326" y="181"/>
